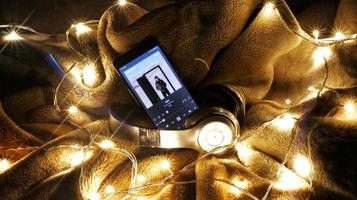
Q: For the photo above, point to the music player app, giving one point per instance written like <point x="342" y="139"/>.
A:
<point x="159" y="89"/>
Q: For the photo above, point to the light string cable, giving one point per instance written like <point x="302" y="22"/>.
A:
<point x="318" y="43"/>
<point x="328" y="42"/>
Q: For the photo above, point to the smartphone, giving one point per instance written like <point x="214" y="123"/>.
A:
<point x="155" y="84"/>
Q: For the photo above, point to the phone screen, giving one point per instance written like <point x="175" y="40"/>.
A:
<point x="158" y="88"/>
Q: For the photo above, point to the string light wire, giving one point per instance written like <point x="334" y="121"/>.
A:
<point x="315" y="41"/>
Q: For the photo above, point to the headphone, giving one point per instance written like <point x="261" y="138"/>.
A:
<point x="210" y="127"/>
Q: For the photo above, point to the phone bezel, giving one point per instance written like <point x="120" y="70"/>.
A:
<point x="136" y="51"/>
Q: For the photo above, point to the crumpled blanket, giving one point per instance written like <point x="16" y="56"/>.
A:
<point x="261" y="50"/>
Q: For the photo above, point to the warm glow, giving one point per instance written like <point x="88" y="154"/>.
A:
<point x="316" y="34"/>
<point x="350" y="111"/>
<point x="268" y="8"/>
<point x="79" y="157"/>
<point x="106" y="144"/>
<point x="165" y="164"/>
<point x="94" y="196"/>
<point x="349" y="107"/>
<point x="72" y="109"/>
<point x="109" y="189"/>
<point x="288" y="101"/>
<point x="142" y="198"/>
<point x="81" y="28"/>
<point x="311" y="89"/>
<point x="320" y="55"/>
<point x="122" y="2"/>
<point x="339" y="36"/>
<point x="89" y="75"/>
<point x="289" y="181"/>
<point x="302" y="166"/>
<point x="244" y="151"/>
<point x="4" y="165"/>
<point x="242" y="184"/>
<point x="285" y="122"/>
<point x="141" y="179"/>
<point x="12" y="36"/>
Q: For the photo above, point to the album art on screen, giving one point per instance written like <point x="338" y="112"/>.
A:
<point x="158" y="88"/>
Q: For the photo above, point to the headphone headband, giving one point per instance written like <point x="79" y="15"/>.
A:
<point x="222" y="121"/>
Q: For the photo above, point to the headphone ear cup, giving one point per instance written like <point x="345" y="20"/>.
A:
<point x="207" y="112"/>
<point x="200" y="115"/>
<point x="227" y="97"/>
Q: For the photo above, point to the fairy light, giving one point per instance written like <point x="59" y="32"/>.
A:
<point x="302" y="166"/>
<point x="141" y="179"/>
<point x="78" y="157"/>
<point x="106" y="144"/>
<point x="94" y="196"/>
<point x="350" y="111"/>
<point x="289" y="181"/>
<point x="286" y="181"/>
<point x="242" y="184"/>
<point x="89" y="75"/>
<point x="311" y="89"/>
<point x="349" y="107"/>
<point x="316" y="34"/>
<point x="285" y="122"/>
<point x="320" y="55"/>
<point x="81" y="28"/>
<point x="122" y="2"/>
<point x="244" y="151"/>
<point x="72" y="109"/>
<point x="268" y="8"/>
<point x="4" y="165"/>
<point x="339" y="36"/>
<point x="109" y="189"/>
<point x="12" y="36"/>
<point x="165" y="164"/>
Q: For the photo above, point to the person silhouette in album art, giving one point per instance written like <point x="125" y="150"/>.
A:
<point x="161" y="86"/>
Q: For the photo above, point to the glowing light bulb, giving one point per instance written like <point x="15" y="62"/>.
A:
<point x="4" y="165"/>
<point x="289" y="181"/>
<point x="81" y="28"/>
<point x="349" y="107"/>
<point x="311" y="89"/>
<point x="109" y="189"/>
<point x="165" y="164"/>
<point x="288" y="101"/>
<point x="268" y="8"/>
<point x="339" y="36"/>
<point x="106" y="144"/>
<point x="12" y="36"/>
<point x="242" y="184"/>
<point x="72" y="110"/>
<point x="320" y="55"/>
<point x="285" y="122"/>
<point x="316" y="34"/>
<point x="79" y="157"/>
<point x="122" y="2"/>
<point x="141" y="179"/>
<point x="350" y="111"/>
<point x="244" y="151"/>
<point x="94" y="196"/>
<point x="89" y="75"/>
<point x="302" y="166"/>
